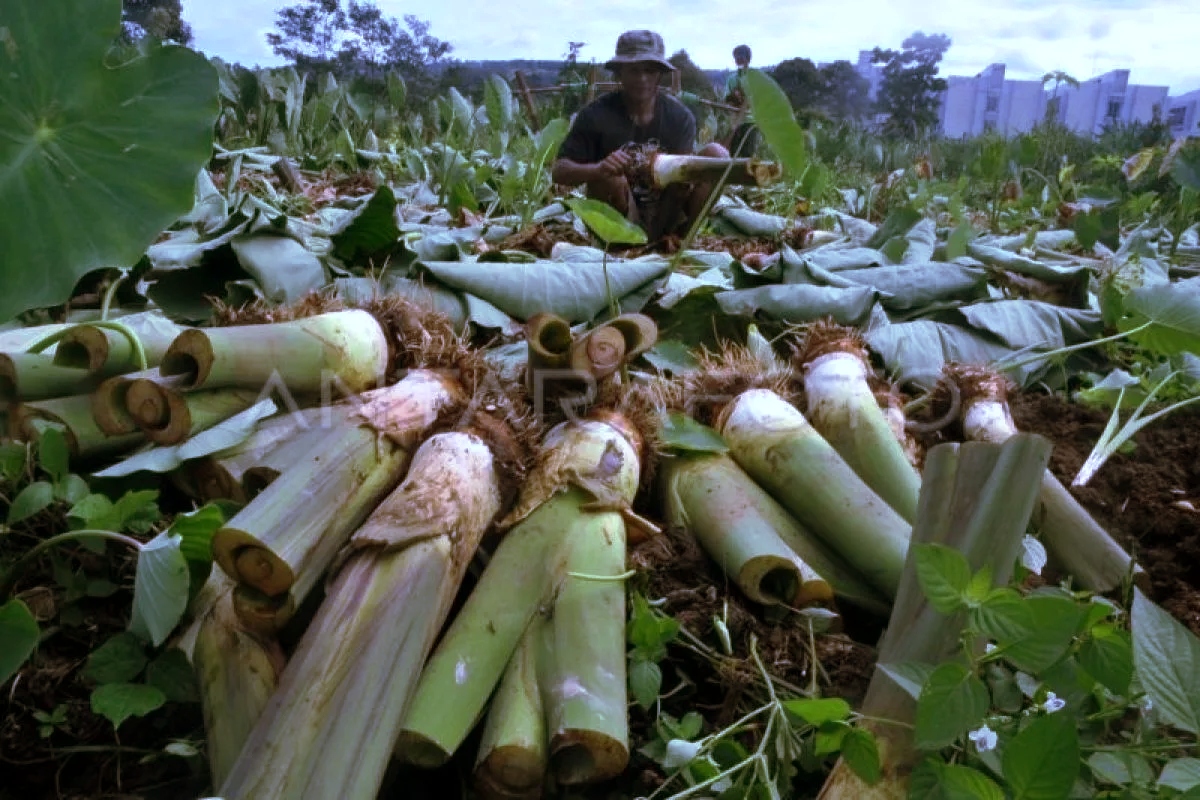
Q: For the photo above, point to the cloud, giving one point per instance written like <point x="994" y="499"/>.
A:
<point x="1030" y="36"/>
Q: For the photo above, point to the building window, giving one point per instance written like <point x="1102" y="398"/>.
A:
<point x="1176" y="116"/>
<point x="1114" y="109"/>
<point x="993" y="104"/>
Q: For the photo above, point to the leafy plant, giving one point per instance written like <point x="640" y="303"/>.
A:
<point x="98" y="157"/>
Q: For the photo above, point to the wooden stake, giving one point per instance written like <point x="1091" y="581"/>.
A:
<point x="527" y="100"/>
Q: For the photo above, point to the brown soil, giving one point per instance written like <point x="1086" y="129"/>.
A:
<point x="1148" y="499"/>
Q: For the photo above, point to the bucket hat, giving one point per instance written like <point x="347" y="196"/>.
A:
<point x="640" y="46"/>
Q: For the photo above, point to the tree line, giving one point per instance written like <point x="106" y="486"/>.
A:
<point x="356" y="41"/>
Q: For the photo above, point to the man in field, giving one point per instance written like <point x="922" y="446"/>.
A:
<point x="744" y="140"/>
<point x="638" y="112"/>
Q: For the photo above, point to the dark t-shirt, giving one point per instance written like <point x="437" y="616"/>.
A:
<point x="604" y="126"/>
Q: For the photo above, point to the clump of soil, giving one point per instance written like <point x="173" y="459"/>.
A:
<point x="1149" y="499"/>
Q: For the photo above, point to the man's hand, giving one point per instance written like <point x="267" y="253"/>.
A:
<point x="614" y="164"/>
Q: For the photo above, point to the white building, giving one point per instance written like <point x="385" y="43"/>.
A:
<point x="986" y="102"/>
<point x="872" y="72"/>
<point x="1107" y="99"/>
<point x="972" y="106"/>
<point x="1183" y="114"/>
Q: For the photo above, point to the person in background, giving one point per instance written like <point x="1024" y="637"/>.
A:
<point x="639" y="112"/>
<point x="744" y="141"/>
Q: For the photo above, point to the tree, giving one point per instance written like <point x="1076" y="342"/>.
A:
<point x="1059" y="77"/>
<point x="800" y="81"/>
<point x="908" y="93"/>
<point x="162" y="19"/>
<point x="691" y="77"/>
<point x="355" y="39"/>
<point x="845" y="94"/>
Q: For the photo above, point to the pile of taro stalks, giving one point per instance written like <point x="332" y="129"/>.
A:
<point x="387" y="495"/>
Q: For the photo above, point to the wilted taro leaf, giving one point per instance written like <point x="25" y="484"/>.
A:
<point x="99" y="151"/>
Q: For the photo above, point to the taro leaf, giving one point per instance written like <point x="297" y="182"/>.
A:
<point x="606" y="222"/>
<point x="498" y="99"/>
<point x="748" y="222"/>
<point x="285" y="269"/>
<point x="18" y="637"/>
<point x="160" y="588"/>
<point x="830" y="259"/>
<point x="1137" y="163"/>
<point x="922" y="240"/>
<point x="916" y="351"/>
<point x="801" y="303"/>
<point x="1174" y="308"/>
<point x="1042" y="761"/>
<point x="1032" y="323"/>
<point x="1013" y="262"/>
<point x="681" y="432"/>
<point x="97" y="157"/>
<point x="698" y="319"/>
<point x="773" y="114"/>
<point x="372" y="229"/>
<point x="576" y="292"/>
<point x="222" y="436"/>
<point x="915" y="286"/>
<point x="1166" y="656"/>
<point x="898" y="223"/>
<point x="359" y="291"/>
<point x="117" y="702"/>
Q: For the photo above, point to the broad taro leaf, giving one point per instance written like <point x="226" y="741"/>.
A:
<point x="95" y="158"/>
<point x="285" y="269"/>
<point x="915" y="352"/>
<point x="1174" y="310"/>
<point x="801" y="303"/>
<point x="372" y="229"/>
<point x="747" y="222"/>
<point x="922" y="240"/>
<point x="1014" y="262"/>
<point x="775" y="118"/>
<point x="1031" y="323"/>
<point x="898" y="223"/>
<point x="904" y="287"/>
<point x="831" y="259"/>
<point x="576" y="292"/>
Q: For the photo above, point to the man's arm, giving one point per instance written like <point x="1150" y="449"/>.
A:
<point x="572" y="173"/>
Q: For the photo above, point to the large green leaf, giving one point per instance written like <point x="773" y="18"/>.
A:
<point x="18" y="637"/>
<point x="285" y="269"/>
<point x="1031" y="323"/>
<point x="1166" y="656"/>
<point x="1174" y="310"/>
<point x="576" y="292"/>
<point x="801" y="303"/>
<point x="830" y="259"/>
<point x="916" y="351"/>
<point x="498" y="99"/>
<point x="749" y="222"/>
<point x="99" y="153"/>
<point x="933" y="780"/>
<point x="372" y="228"/>
<point x="1013" y="262"/>
<point x="117" y="702"/>
<point x="774" y="117"/>
<point x="904" y="287"/>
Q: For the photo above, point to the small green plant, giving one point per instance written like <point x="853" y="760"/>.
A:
<point x="1054" y="694"/>
<point x="49" y="723"/>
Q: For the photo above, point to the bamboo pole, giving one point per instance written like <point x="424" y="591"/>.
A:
<point x="527" y="100"/>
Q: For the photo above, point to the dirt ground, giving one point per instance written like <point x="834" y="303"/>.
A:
<point x="1148" y="499"/>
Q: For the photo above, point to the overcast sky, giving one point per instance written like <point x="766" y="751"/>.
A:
<point x="1155" y="39"/>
